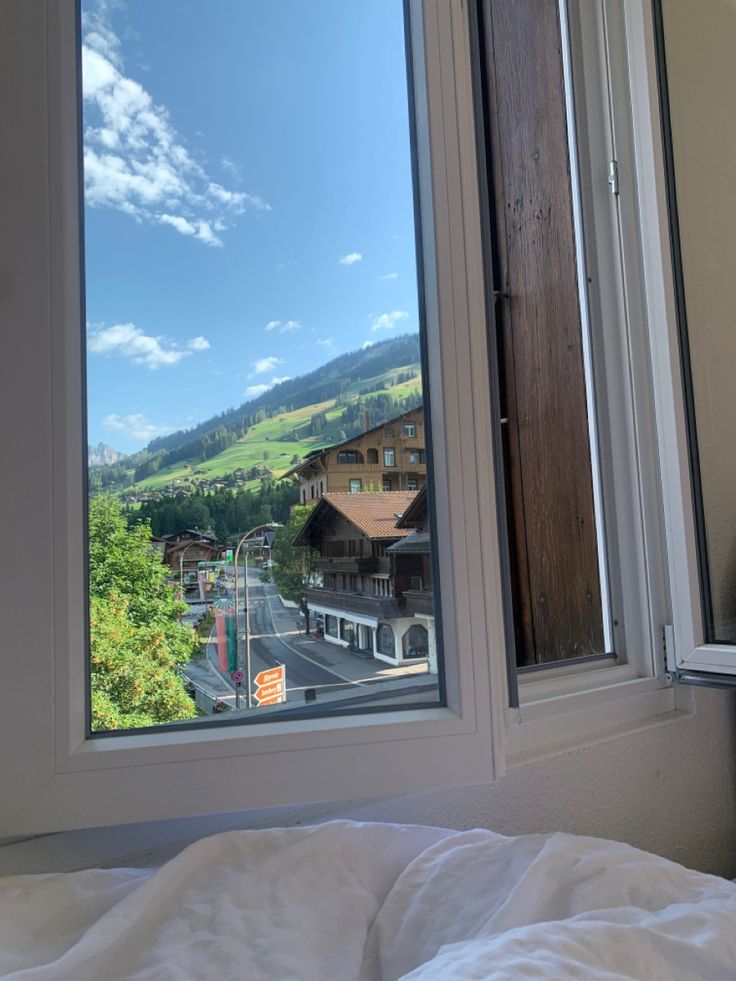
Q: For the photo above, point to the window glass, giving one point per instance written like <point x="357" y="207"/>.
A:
<point x="702" y="145"/>
<point x="251" y="304"/>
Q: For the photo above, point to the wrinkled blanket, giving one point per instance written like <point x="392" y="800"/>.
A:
<point x="343" y="901"/>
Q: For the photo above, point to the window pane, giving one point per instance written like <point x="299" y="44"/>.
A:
<point x="702" y="144"/>
<point x="253" y="338"/>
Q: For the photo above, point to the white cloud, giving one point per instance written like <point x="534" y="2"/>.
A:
<point x="129" y="341"/>
<point x="284" y="326"/>
<point x="390" y="276"/>
<point x="366" y="345"/>
<point x="350" y="259"/>
<point x="387" y="321"/>
<point x="262" y="365"/>
<point x="134" y="160"/>
<point x="135" y="425"/>
<point x="328" y="343"/>
<point x="253" y="391"/>
<point x="199" y="344"/>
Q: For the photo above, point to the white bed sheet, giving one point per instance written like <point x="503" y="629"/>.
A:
<point x="344" y="901"/>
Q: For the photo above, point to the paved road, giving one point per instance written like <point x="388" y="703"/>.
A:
<point x="268" y="650"/>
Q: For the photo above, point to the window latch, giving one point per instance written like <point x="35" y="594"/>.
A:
<point x="613" y="177"/>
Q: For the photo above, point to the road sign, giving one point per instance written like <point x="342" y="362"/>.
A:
<point x="237" y="677"/>
<point x="271" y="686"/>
<point x="270" y="675"/>
<point x="271" y="701"/>
<point x="268" y="691"/>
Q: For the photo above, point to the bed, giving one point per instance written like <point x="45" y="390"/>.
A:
<point x="343" y="900"/>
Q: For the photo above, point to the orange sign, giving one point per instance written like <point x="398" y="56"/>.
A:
<point x="270" y="701"/>
<point x="268" y="691"/>
<point x="271" y="686"/>
<point x="270" y="675"/>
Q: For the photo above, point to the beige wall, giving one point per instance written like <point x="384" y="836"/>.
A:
<point x="701" y="60"/>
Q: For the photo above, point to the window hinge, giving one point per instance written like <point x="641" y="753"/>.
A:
<point x="613" y="176"/>
<point x="668" y="650"/>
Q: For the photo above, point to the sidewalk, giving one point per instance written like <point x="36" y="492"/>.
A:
<point x="339" y="660"/>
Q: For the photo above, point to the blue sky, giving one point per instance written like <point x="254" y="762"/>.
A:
<point x="248" y="200"/>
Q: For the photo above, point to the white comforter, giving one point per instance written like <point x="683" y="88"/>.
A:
<point x="345" y="901"/>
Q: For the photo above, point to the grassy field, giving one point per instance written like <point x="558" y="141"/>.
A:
<point x="264" y="443"/>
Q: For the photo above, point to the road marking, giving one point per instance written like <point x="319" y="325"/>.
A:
<point x="288" y="646"/>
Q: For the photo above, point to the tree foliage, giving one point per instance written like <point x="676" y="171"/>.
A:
<point x="293" y="567"/>
<point x="136" y="640"/>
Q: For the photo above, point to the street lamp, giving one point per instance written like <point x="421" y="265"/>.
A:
<point x="242" y="541"/>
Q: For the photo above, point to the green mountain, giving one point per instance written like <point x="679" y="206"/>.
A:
<point x="265" y="436"/>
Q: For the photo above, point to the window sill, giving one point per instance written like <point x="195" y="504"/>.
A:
<point x="567" y="710"/>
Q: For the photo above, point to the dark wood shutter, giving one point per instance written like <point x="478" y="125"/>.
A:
<point x="557" y="595"/>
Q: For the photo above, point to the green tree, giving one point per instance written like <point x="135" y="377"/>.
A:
<point x="136" y="640"/>
<point x="293" y="566"/>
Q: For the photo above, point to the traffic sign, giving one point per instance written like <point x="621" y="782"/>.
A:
<point x="237" y="677"/>
<point x="270" y="674"/>
<point x="271" y="701"/>
<point x="271" y="686"/>
<point x="267" y="691"/>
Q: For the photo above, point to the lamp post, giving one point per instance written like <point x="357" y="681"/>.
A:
<point x="243" y="540"/>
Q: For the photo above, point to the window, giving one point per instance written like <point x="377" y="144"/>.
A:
<point x="697" y="407"/>
<point x="410" y="429"/>
<point x="349" y="456"/>
<point x="385" y="643"/>
<point x="389" y="457"/>
<point x="386" y="485"/>
<point x="372" y="456"/>
<point x="389" y="431"/>
<point x="415" y="457"/>
<point x="411" y="484"/>
<point x="331" y="625"/>
<point x="356" y="485"/>
<point x="415" y="642"/>
<point x="63" y="778"/>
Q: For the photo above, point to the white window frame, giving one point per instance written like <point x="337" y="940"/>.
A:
<point x="61" y="778"/>
<point x="689" y="657"/>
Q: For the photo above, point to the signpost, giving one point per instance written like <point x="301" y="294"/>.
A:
<point x="270" y="686"/>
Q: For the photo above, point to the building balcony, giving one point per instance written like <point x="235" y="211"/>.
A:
<point x="419" y="602"/>
<point x="379" y="607"/>
<point x="362" y="565"/>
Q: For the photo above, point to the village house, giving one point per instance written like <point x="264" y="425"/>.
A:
<point x="389" y="457"/>
<point x="184" y="549"/>
<point x="411" y="571"/>
<point x="358" y="603"/>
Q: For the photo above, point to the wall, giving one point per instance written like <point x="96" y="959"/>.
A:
<point x="702" y="76"/>
<point x="667" y="788"/>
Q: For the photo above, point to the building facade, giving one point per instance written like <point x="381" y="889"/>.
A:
<point x="389" y="457"/>
<point x="358" y="603"/>
<point x="411" y="570"/>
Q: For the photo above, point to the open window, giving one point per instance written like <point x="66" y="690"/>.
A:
<point x="545" y="581"/>
<point x="696" y="356"/>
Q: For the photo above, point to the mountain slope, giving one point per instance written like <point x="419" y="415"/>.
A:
<point x="263" y="436"/>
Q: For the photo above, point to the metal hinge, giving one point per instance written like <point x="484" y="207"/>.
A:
<point x="613" y="176"/>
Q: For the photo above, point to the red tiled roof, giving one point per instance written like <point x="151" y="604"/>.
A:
<point x="375" y="513"/>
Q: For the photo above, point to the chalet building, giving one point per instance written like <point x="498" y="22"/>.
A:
<point x="389" y="457"/>
<point x="358" y="602"/>
<point x="411" y="570"/>
<point x="200" y="547"/>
